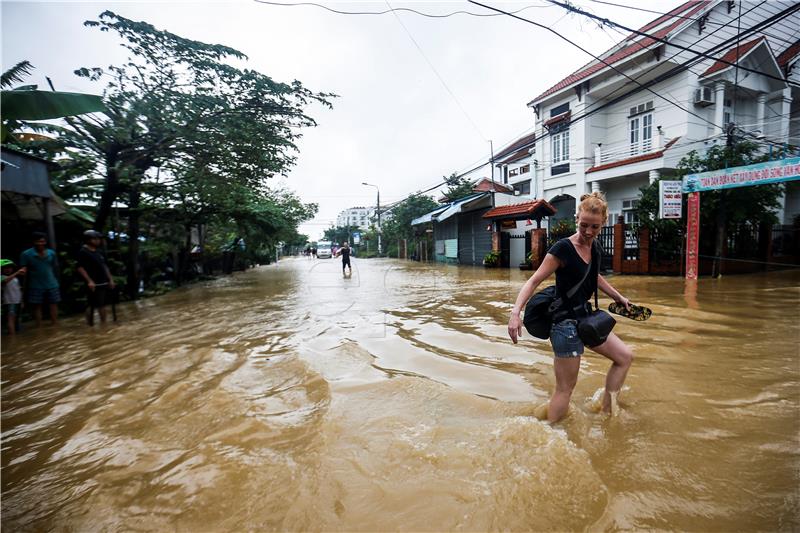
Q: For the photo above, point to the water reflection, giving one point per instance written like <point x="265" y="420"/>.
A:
<point x="292" y="398"/>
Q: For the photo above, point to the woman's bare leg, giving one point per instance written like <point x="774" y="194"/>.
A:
<point x="621" y="357"/>
<point x="566" y="369"/>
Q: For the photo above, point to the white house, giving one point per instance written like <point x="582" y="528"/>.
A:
<point x="598" y="130"/>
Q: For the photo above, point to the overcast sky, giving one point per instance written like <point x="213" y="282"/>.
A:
<point x="396" y="123"/>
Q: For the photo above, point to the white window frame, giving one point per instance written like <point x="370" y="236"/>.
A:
<point x="640" y="133"/>
<point x="559" y="146"/>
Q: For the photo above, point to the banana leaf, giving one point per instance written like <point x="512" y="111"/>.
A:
<point x="41" y="105"/>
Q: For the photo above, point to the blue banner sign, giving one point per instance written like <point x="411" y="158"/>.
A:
<point x="756" y="174"/>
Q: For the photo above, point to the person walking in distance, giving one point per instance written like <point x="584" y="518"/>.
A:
<point x="42" y="286"/>
<point x="344" y="251"/>
<point x="93" y="269"/>
<point x="569" y="259"/>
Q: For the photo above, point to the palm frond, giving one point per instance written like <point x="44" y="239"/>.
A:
<point x="15" y="74"/>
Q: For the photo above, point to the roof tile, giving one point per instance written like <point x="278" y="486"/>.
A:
<point x="732" y="55"/>
<point x="685" y="10"/>
<point x="521" y="209"/>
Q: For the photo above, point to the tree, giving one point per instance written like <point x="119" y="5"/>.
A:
<point x="720" y="209"/>
<point x="189" y="138"/>
<point x="26" y="103"/>
<point x="457" y="186"/>
<point x="399" y="226"/>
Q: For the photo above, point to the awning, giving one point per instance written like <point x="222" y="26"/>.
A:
<point x="532" y="209"/>
<point x="427" y="217"/>
<point x="456" y="206"/>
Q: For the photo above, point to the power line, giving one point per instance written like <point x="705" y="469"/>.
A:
<point x="694" y="60"/>
<point x="611" y="66"/>
<point x="391" y="10"/>
<point x="693" y="19"/>
<point x="455" y="99"/>
<point x="603" y="20"/>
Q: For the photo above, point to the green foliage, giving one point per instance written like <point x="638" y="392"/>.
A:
<point x="561" y="229"/>
<point x="492" y="259"/>
<point x="27" y="103"/>
<point x="339" y="234"/>
<point x="740" y="205"/>
<point x="399" y="226"/>
<point x="457" y="187"/>
<point x="189" y="140"/>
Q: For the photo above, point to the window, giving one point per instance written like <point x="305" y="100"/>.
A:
<point x="563" y="108"/>
<point x="641" y="133"/>
<point x="524" y="187"/>
<point x="629" y="210"/>
<point x="560" y="147"/>
<point x="513" y="172"/>
<point x="726" y="113"/>
<point x="641" y="108"/>
<point x="524" y="169"/>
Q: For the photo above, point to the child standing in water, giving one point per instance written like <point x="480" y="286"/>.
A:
<point x="568" y="259"/>
<point x="12" y="294"/>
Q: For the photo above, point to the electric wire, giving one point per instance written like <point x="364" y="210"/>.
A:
<point x="665" y="41"/>
<point x="436" y="72"/>
<point x="392" y="10"/>
<point x="694" y="60"/>
<point x="610" y="65"/>
<point x="693" y="19"/>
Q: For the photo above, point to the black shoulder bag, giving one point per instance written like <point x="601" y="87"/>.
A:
<point x="541" y="307"/>
<point x="594" y="328"/>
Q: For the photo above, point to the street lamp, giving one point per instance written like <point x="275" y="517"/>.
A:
<point x="378" y="209"/>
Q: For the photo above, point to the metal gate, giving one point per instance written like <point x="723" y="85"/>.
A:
<point x="606" y="239"/>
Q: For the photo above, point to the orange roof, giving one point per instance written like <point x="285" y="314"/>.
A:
<point x="731" y="56"/>
<point x="680" y="14"/>
<point x="521" y="210"/>
<point x="485" y="184"/>
<point x="522" y="142"/>
<point x="634" y="159"/>
<point x="788" y="54"/>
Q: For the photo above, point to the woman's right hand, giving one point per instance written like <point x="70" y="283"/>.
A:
<point x="514" y="327"/>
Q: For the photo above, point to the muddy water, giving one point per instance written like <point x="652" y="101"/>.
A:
<point x="289" y="398"/>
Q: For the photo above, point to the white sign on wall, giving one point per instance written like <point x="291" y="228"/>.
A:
<point x="670" y="194"/>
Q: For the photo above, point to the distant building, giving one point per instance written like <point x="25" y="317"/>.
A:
<point x="356" y="217"/>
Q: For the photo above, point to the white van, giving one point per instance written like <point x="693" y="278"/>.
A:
<point x="324" y="250"/>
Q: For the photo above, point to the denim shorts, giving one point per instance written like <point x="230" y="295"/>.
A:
<point x="37" y="296"/>
<point x="565" y="340"/>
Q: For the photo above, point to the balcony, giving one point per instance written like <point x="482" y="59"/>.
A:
<point x="604" y="155"/>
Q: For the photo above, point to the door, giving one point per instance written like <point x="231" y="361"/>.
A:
<point x="505" y="249"/>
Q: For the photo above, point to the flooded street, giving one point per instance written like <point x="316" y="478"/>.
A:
<point x="289" y="398"/>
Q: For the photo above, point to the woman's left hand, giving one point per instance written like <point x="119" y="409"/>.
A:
<point x="624" y="301"/>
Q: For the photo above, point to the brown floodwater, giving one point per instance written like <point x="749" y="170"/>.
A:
<point x="290" y="398"/>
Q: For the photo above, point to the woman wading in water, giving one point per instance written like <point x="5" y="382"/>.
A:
<point x="569" y="258"/>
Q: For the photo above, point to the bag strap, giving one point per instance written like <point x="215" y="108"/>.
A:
<point x="573" y="290"/>
<point x="597" y="307"/>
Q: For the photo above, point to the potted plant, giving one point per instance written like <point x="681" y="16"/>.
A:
<point x="528" y="263"/>
<point x="491" y="260"/>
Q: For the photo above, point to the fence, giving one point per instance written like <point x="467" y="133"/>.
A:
<point x="746" y="248"/>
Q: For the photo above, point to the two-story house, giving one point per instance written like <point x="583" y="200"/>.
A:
<point x="703" y="68"/>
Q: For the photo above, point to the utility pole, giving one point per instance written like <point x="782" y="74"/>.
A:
<point x="491" y="151"/>
<point x="378" y="209"/>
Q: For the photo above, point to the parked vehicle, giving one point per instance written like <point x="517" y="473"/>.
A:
<point x="324" y="250"/>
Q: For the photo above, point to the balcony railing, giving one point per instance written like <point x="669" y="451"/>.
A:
<point x="617" y="152"/>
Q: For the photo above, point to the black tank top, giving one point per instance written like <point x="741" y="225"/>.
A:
<point x="572" y="270"/>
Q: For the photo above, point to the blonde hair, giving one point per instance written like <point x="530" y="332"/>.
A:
<point x="594" y="203"/>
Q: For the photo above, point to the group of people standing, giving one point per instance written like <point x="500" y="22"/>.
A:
<point x="34" y="280"/>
